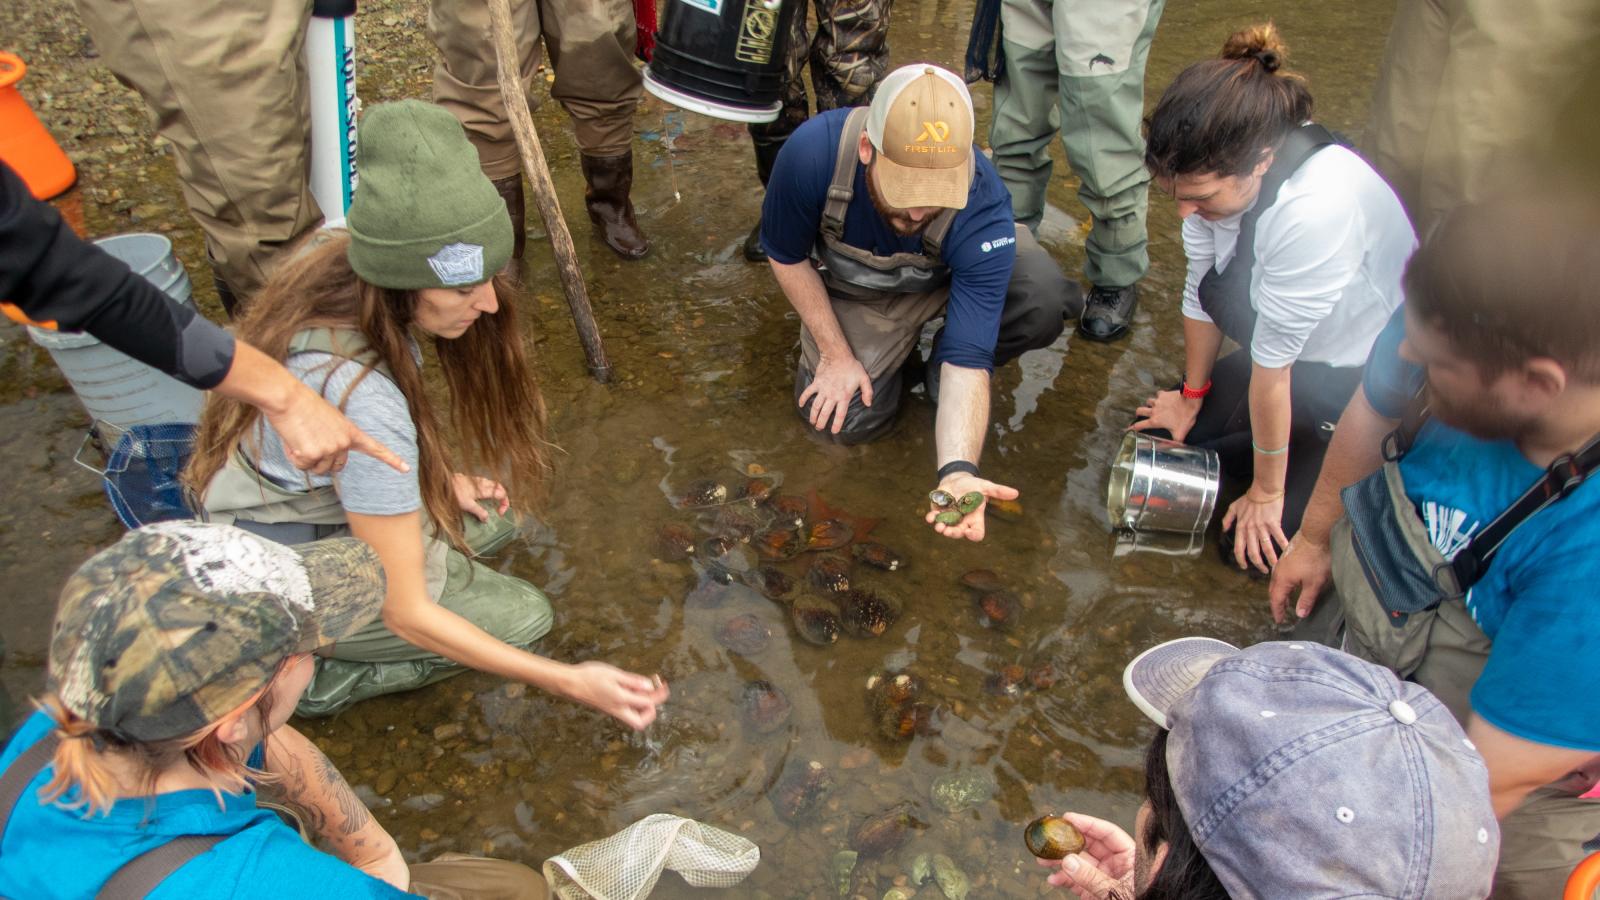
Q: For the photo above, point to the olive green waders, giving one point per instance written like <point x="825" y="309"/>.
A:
<point x="1077" y="67"/>
<point x="1443" y="650"/>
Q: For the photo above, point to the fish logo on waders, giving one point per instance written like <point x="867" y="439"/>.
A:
<point x="1103" y="59"/>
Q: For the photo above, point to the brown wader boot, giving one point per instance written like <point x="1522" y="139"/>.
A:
<point x="511" y="191"/>
<point x="610" y="179"/>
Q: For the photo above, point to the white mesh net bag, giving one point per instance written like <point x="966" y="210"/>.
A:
<point x="626" y="865"/>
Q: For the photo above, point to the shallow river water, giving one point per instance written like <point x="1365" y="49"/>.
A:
<point x="704" y="347"/>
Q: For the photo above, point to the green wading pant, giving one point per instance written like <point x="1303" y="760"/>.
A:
<point x="1443" y="650"/>
<point x="1468" y="89"/>
<point x="1077" y="67"/>
<point x="590" y="43"/>
<point x="848" y="53"/>
<point x="376" y="661"/>
<point x="225" y="84"/>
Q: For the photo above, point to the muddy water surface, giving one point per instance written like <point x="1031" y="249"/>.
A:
<point x="704" y="347"/>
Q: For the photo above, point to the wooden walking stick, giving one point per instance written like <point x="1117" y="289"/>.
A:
<point x="544" y="191"/>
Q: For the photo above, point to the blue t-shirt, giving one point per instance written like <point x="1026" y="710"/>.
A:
<point x="1389" y="381"/>
<point x="979" y="248"/>
<point x="48" y="851"/>
<point x="1536" y="602"/>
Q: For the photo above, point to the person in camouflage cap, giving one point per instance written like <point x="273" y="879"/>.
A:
<point x="178" y="623"/>
<point x="175" y="662"/>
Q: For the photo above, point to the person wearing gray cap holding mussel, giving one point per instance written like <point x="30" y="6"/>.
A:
<point x="1288" y="770"/>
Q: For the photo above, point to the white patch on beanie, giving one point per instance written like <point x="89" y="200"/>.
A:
<point x="458" y="264"/>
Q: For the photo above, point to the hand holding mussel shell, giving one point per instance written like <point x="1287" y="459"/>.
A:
<point x="1052" y="837"/>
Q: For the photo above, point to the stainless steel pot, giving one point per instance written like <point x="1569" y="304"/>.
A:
<point x="1159" y="485"/>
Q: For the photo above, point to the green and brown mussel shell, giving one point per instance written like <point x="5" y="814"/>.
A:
<point x="941" y="498"/>
<point x="969" y="502"/>
<point x="801" y="788"/>
<point x="949" y="517"/>
<point x="1051" y="837"/>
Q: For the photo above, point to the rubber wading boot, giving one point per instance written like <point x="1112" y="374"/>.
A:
<point x="752" y="245"/>
<point x="510" y="190"/>
<point x="610" y="180"/>
<point x="1108" y="312"/>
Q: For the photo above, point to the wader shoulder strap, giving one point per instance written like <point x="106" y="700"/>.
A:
<point x="21" y="773"/>
<point x="138" y="876"/>
<point x="842" y="189"/>
<point x="1398" y="442"/>
<point x="1560" y="479"/>
<point x="1301" y="144"/>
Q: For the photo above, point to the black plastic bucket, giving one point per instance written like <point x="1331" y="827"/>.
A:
<point x="723" y="58"/>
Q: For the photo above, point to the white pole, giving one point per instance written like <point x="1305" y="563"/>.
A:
<point x="331" y="67"/>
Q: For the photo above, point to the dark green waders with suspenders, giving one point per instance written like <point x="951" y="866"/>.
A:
<point x="138" y="876"/>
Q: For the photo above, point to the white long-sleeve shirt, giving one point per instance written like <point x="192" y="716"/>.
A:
<point x="1330" y="252"/>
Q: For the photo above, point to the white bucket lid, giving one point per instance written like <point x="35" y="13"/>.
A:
<point x="713" y="108"/>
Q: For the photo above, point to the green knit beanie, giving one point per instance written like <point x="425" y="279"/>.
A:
<point x="424" y="215"/>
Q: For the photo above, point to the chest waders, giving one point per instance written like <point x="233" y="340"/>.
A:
<point x="880" y="302"/>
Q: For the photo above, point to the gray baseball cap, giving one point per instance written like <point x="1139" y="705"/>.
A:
<point x="1305" y="772"/>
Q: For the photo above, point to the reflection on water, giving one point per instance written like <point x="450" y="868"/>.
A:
<point x="704" y="347"/>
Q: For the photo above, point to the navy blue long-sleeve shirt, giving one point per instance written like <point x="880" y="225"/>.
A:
<point x="980" y="247"/>
<point x="51" y="277"/>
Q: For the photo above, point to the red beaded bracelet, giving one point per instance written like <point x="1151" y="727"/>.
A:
<point x="1190" y="393"/>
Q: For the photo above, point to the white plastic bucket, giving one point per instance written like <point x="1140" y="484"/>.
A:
<point x="114" y="388"/>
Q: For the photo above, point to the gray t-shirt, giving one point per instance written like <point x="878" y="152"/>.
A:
<point x="377" y="407"/>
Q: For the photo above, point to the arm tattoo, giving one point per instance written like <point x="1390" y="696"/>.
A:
<point x="354" y="812"/>
<point x="309" y="792"/>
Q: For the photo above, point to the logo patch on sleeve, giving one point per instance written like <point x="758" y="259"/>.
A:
<point x="997" y="243"/>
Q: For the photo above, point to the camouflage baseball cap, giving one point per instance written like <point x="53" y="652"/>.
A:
<point x="178" y="623"/>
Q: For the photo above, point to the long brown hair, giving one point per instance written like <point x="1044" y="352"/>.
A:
<point x="496" y="410"/>
<point x="1218" y="115"/>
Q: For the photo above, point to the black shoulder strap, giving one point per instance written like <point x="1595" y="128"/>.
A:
<point x="1560" y="479"/>
<point x="1301" y="144"/>
<point x="138" y="876"/>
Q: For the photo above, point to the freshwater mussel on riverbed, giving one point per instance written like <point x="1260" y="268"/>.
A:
<point x="815" y="618"/>
<point x="675" y="542"/>
<point x="895" y="705"/>
<point x="778" y="544"/>
<point x="744" y="634"/>
<point x="829" y="534"/>
<point x="878" y="556"/>
<point x="773" y="583"/>
<point x="829" y="573"/>
<point x="879" y="833"/>
<point x="867" y="613"/>
<point x="702" y="493"/>
<point x="801" y="788"/>
<point x="999" y="609"/>
<point x="1052" y="837"/>
<point x="764" y="707"/>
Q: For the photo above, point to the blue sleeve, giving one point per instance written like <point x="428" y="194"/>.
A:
<point x="1546" y="646"/>
<point x="1389" y="381"/>
<point x="980" y="250"/>
<point x="791" y="214"/>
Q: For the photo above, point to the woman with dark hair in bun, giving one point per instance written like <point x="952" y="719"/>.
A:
<point x="1295" y="250"/>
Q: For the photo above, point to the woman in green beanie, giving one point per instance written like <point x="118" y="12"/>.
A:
<point x="428" y="236"/>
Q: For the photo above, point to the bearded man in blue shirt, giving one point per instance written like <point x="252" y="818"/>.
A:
<point x="878" y="220"/>
<point x="1465" y="556"/>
